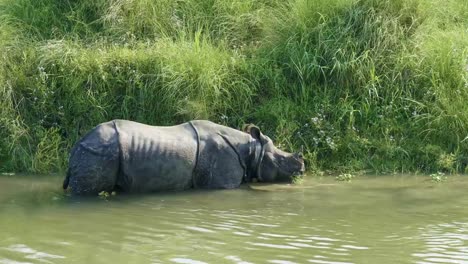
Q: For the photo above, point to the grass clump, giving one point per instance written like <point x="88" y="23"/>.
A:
<point x="362" y="84"/>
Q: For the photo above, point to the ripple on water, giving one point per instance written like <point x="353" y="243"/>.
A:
<point x="303" y="245"/>
<point x="179" y="229"/>
<point x="277" y="235"/>
<point x="200" y="229"/>
<point x="327" y="262"/>
<point x="322" y="238"/>
<point x="354" y="247"/>
<point x="267" y="245"/>
<point x="9" y="261"/>
<point x="445" y="243"/>
<point x="187" y="261"/>
<point x="237" y="260"/>
<point x="277" y="261"/>
<point x="30" y="253"/>
<point x="241" y="233"/>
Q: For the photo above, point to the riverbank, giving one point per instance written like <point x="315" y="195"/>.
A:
<point x="363" y="85"/>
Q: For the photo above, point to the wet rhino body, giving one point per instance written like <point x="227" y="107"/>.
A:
<point x="134" y="157"/>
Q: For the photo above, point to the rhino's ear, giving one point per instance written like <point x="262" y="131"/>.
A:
<point x="253" y="130"/>
<point x="246" y="128"/>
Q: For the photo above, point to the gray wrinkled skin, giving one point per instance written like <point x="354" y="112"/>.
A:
<point x="133" y="157"/>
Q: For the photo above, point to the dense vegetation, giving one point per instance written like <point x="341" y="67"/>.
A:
<point x="378" y="85"/>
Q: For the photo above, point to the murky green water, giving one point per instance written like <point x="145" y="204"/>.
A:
<point x="370" y="220"/>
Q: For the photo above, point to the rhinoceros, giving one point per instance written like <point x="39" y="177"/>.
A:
<point x="133" y="157"/>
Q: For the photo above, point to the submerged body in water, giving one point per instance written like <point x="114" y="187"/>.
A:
<point x="134" y="157"/>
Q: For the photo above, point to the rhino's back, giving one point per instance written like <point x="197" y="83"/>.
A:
<point x="156" y="158"/>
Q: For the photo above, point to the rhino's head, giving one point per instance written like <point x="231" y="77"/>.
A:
<point x="274" y="164"/>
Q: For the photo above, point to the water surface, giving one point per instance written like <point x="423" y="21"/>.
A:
<point x="391" y="219"/>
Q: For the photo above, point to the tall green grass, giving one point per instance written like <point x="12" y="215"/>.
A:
<point x="362" y="84"/>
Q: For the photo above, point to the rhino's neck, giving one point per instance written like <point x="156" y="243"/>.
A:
<point x="257" y="152"/>
<point x="197" y="154"/>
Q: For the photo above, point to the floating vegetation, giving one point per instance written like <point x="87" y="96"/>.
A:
<point x="105" y="195"/>
<point x="438" y="177"/>
<point x="345" y="177"/>
<point x="297" y="180"/>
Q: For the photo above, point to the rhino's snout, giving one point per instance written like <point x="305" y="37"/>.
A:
<point x="294" y="164"/>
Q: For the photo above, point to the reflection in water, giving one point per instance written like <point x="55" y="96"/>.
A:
<point x="445" y="243"/>
<point x="366" y="221"/>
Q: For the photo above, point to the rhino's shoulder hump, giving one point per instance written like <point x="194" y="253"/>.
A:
<point x="209" y="127"/>
<point x="203" y="123"/>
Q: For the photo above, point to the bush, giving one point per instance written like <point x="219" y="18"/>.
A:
<point x="361" y="84"/>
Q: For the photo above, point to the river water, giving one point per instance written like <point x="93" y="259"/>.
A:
<point x="386" y="219"/>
